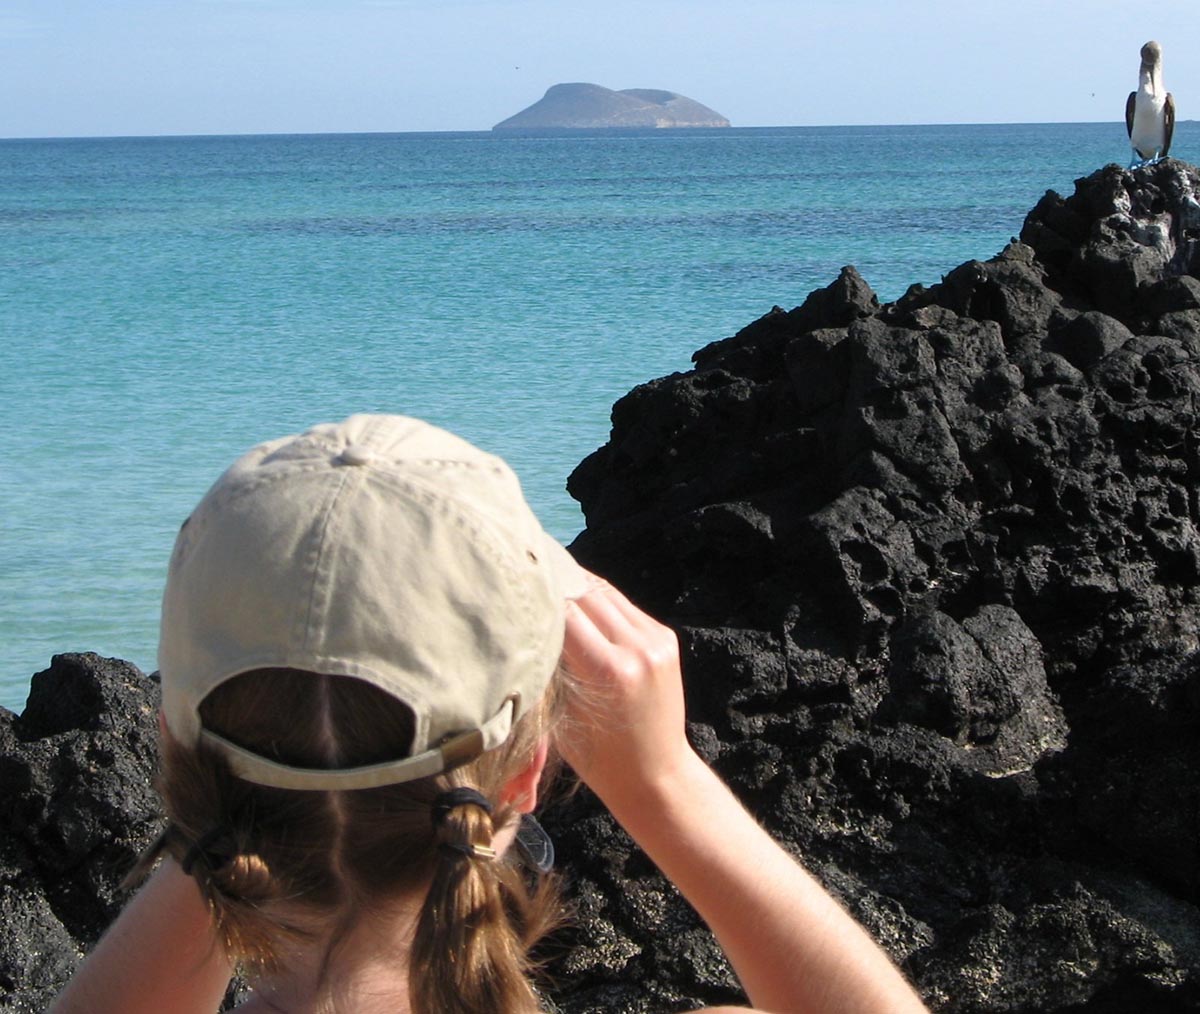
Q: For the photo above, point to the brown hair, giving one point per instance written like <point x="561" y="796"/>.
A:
<point x="292" y="867"/>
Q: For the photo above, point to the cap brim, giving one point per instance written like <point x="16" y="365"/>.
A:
<point x="573" y="581"/>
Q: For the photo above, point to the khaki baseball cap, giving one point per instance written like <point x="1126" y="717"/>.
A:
<point x="380" y="548"/>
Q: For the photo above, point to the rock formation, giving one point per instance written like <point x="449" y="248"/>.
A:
<point x="934" y="566"/>
<point x="590" y="106"/>
<point x="76" y="809"/>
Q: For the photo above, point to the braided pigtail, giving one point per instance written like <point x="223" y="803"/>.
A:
<point x="479" y="921"/>
<point x="264" y="859"/>
<point x="216" y="834"/>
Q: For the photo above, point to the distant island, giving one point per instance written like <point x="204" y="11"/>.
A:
<point x="589" y="107"/>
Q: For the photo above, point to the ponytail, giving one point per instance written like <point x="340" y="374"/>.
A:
<point x="282" y="869"/>
<point x="253" y="897"/>
<point x="471" y="950"/>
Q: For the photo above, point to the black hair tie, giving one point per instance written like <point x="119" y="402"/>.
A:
<point x="202" y="849"/>
<point x="453" y="798"/>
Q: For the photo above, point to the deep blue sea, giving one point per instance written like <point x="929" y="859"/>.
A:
<point x="165" y="303"/>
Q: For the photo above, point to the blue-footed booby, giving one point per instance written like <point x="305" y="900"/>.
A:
<point x="1150" y="111"/>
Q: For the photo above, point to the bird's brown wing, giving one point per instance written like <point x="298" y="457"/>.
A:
<point x="1168" y="124"/>
<point x="1129" y="104"/>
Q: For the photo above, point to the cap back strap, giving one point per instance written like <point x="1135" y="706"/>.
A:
<point x="252" y="767"/>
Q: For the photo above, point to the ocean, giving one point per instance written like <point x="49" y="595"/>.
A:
<point x="169" y="302"/>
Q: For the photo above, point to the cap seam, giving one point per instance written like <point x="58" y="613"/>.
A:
<point x="317" y="557"/>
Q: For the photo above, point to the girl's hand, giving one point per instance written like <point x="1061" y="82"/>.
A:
<point x="625" y="731"/>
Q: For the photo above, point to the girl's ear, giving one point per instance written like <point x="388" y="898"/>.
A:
<point x="520" y="791"/>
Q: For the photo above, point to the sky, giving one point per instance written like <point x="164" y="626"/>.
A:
<point x="75" y="68"/>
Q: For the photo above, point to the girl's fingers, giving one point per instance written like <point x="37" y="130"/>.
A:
<point x="584" y="643"/>
<point x="617" y="618"/>
<point x="637" y="618"/>
<point x="630" y="713"/>
<point x="603" y="612"/>
<point x="625" y="629"/>
<point x="587" y="649"/>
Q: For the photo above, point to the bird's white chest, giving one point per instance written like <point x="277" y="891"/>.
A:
<point x="1147" y="132"/>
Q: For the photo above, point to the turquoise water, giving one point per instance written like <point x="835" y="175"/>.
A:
<point x="168" y="302"/>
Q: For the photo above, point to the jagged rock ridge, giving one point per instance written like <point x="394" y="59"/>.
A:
<point x="591" y="106"/>
<point x="935" y="569"/>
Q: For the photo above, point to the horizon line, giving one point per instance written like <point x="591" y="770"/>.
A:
<point x="550" y="131"/>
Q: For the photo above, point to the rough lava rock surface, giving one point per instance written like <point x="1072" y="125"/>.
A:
<point x="76" y="809"/>
<point x="934" y="566"/>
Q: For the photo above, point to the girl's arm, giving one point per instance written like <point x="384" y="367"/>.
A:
<point x="792" y="946"/>
<point x="160" y="955"/>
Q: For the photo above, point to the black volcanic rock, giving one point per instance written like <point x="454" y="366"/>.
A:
<point x="76" y="809"/>
<point x="590" y="106"/>
<point x="935" y="566"/>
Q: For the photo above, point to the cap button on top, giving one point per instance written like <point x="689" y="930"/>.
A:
<point x="357" y="454"/>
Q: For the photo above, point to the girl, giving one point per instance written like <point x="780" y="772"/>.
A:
<point x="371" y="655"/>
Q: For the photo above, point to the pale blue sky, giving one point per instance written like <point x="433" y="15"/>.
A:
<point x="115" y="67"/>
